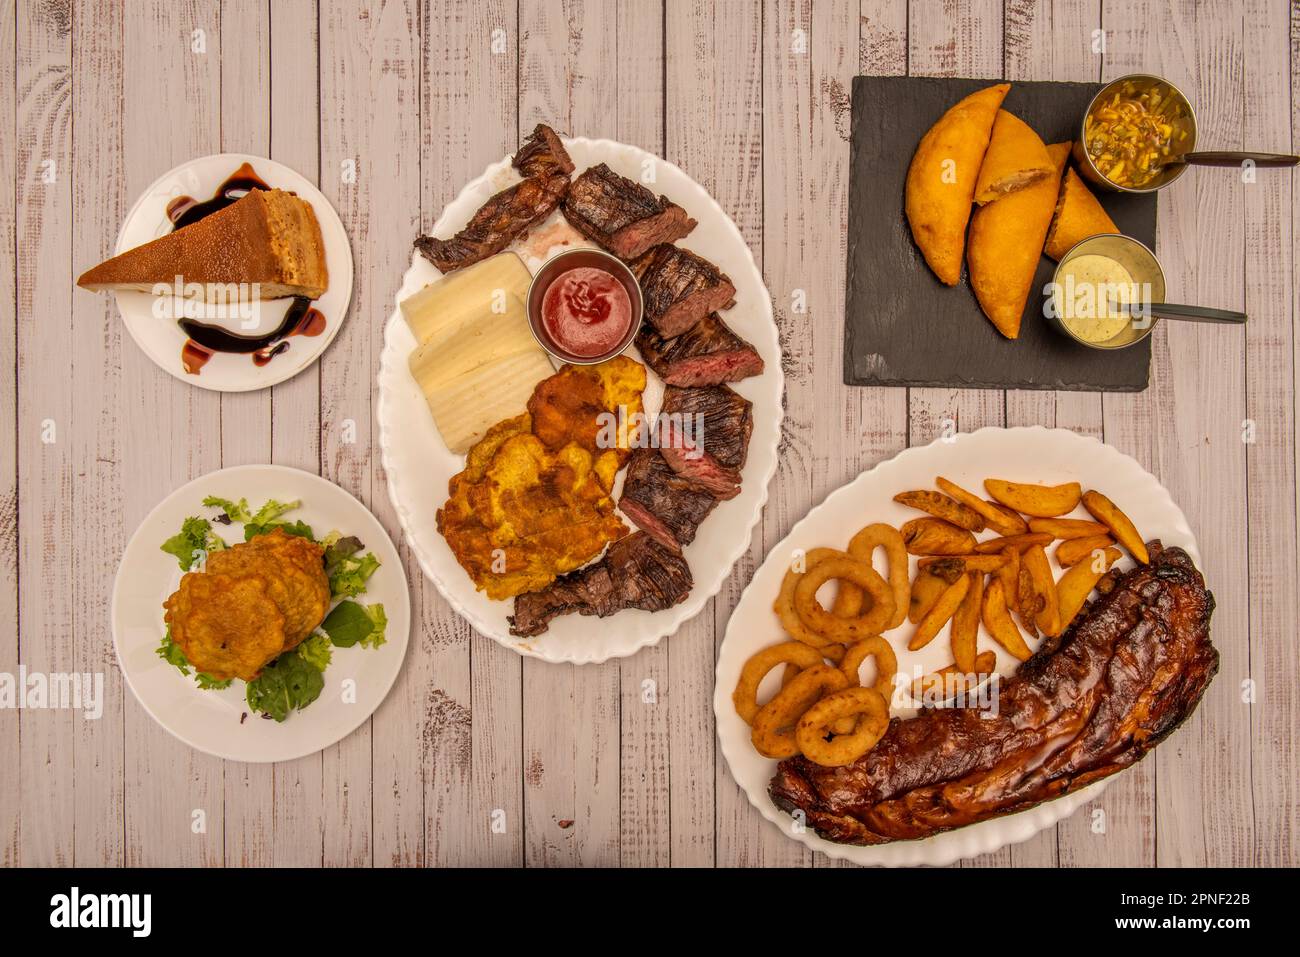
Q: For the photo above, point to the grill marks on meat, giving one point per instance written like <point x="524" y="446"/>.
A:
<point x="504" y="218"/>
<point x="686" y="456"/>
<point x="708" y="353"/>
<point x="662" y="503"/>
<point x="670" y="490"/>
<point x="497" y="223"/>
<point x="543" y="154"/>
<point x="620" y="215"/>
<point x="636" y="572"/>
<point x="728" y="420"/>
<point x="1130" y="669"/>
<point x="679" y="288"/>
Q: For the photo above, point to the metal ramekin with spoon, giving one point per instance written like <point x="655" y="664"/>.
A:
<point x="1138" y="135"/>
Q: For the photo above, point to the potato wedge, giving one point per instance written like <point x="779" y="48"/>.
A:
<point x="1066" y="527"/>
<point x="926" y="589"/>
<point x="1048" y="619"/>
<point x="938" y="616"/>
<point x="934" y="536"/>
<point x="993" y="514"/>
<point x="1078" y="582"/>
<point x="1074" y="550"/>
<point x="941" y="506"/>
<point x="1015" y="522"/>
<point x="966" y="624"/>
<point x="1019" y="542"/>
<point x="946" y="682"/>
<point x="1042" y="501"/>
<point x="1028" y="602"/>
<point x="1009" y="573"/>
<point x="962" y="564"/>
<point x="998" y="621"/>
<point x="1108" y="513"/>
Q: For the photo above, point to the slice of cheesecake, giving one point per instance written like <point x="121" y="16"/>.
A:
<point x="269" y="238"/>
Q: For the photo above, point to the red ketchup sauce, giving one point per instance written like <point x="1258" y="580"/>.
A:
<point x="586" y="311"/>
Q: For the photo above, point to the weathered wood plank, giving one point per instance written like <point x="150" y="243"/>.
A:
<point x="882" y="413"/>
<point x="811" y="53"/>
<point x="303" y="828"/>
<point x="468" y="688"/>
<point x="644" y="760"/>
<point x="1047" y="40"/>
<point x="172" y="64"/>
<point x="951" y="39"/>
<point x="1270" y="457"/>
<point x="1192" y="415"/>
<point x="10" y="784"/>
<point x="369" y="103"/>
<point x="1053" y="40"/>
<point x="947" y="39"/>
<point x="46" y="424"/>
<point x="717" y="139"/>
<point x="245" y="123"/>
<point x="568" y="76"/>
<point x="98" y="203"/>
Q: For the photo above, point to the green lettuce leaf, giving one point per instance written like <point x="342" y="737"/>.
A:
<point x="290" y="683"/>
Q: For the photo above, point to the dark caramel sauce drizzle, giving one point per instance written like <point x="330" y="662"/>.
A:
<point x="301" y="319"/>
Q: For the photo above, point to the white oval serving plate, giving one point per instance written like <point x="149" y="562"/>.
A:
<point x="162" y="340"/>
<point x="419" y="465"/>
<point x="211" y="721"/>
<point x="1034" y="454"/>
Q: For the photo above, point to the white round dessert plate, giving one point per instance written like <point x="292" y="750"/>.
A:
<point x="159" y="335"/>
<point x="1048" y="456"/>
<point x="419" y="464"/>
<point x="220" y="722"/>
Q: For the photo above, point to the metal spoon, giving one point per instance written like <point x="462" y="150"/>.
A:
<point x="1178" y="311"/>
<point x="1230" y="158"/>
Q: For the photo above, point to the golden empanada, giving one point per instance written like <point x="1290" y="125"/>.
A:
<point x="941" y="179"/>
<point x="1006" y="243"/>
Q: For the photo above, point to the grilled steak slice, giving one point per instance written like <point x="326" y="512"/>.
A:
<point x="636" y="572"/>
<point x="685" y="455"/>
<point x="724" y="430"/>
<point x="543" y="154"/>
<point x="1131" y="668"/>
<point x="679" y="288"/>
<point x="498" y="222"/>
<point x="620" y="215"/>
<point x="665" y="505"/>
<point x="708" y="353"/>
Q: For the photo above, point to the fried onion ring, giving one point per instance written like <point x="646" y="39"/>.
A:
<point x="773" y="733"/>
<point x="814" y="726"/>
<point x="826" y="625"/>
<point x="886" y="668"/>
<point x="745" y="697"/>
<point x="784" y="604"/>
<point x="886" y="663"/>
<point x="880" y="535"/>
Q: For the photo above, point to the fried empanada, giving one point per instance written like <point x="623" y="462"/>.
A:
<point x="1078" y="216"/>
<point x="1016" y="158"/>
<point x="1006" y="242"/>
<point x="941" y="179"/>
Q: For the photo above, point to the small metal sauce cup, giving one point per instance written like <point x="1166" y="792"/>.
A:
<point x="572" y="259"/>
<point x="1141" y="264"/>
<point x="1171" y="172"/>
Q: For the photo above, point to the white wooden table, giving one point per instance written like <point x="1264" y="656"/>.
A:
<point x="98" y="98"/>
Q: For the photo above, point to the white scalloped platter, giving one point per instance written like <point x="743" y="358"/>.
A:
<point x="1048" y="456"/>
<point x="418" y="464"/>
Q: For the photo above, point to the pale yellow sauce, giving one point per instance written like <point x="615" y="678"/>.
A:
<point x="1087" y="285"/>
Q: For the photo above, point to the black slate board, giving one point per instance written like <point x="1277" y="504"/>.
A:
<point x="903" y="327"/>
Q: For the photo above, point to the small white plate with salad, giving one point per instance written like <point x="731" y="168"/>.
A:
<point x="309" y="697"/>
